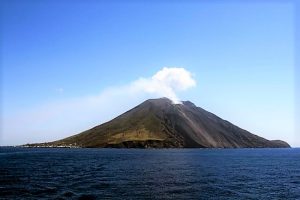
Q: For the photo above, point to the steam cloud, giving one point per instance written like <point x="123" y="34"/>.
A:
<point x="166" y="83"/>
<point x="55" y="120"/>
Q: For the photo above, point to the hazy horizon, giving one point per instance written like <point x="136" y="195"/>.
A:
<point x="68" y="66"/>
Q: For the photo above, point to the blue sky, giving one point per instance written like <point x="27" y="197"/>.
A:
<point x="58" y="54"/>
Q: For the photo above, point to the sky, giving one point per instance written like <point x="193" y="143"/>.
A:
<point x="67" y="66"/>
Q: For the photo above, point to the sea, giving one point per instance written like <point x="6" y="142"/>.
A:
<point x="62" y="173"/>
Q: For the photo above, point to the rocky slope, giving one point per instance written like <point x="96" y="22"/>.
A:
<point x="160" y="123"/>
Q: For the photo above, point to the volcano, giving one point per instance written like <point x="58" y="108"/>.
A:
<point x="158" y="123"/>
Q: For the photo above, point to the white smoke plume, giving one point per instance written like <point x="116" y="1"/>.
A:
<point x="55" y="120"/>
<point x="166" y="83"/>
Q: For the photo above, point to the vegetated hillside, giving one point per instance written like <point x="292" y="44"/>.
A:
<point x="160" y="123"/>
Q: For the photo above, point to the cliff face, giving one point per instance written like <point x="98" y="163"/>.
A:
<point x="159" y="123"/>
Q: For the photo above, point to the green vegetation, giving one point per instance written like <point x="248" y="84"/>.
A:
<point x="159" y="123"/>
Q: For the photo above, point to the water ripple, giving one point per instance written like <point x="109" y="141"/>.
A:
<point x="149" y="174"/>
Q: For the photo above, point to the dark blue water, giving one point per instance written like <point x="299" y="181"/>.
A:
<point x="31" y="173"/>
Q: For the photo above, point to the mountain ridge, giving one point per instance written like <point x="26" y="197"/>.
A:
<point x="158" y="123"/>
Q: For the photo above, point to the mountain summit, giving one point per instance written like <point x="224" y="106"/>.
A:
<point x="160" y="123"/>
